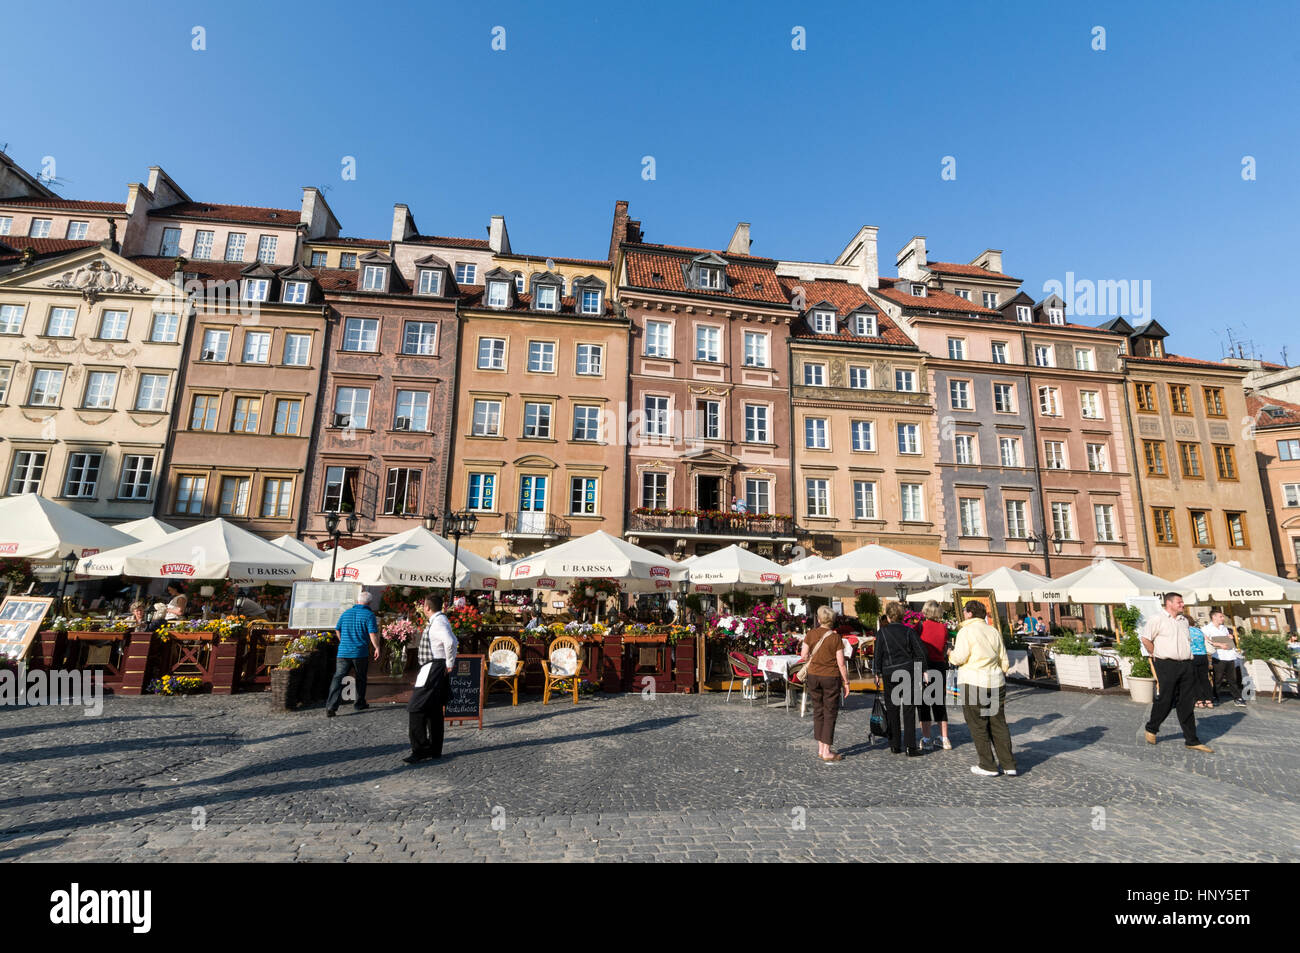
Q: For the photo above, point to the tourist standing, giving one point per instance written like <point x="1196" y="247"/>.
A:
<point x="358" y="632"/>
<point x="934" y="636"/>
<point x="437" y="655"/>
<point x="1200" y="666"/>
<point x="1227" y="659"/>
<point x="825" y="679"/>
<point x="899" y="661"/>
<point x="1166" y="637"/>
<point x="982" y="678"/>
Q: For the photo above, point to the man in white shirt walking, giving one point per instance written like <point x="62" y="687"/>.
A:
<point x="1227" y="660"/>
<point x="1167" y="637"/>
<point x="437" y="656"/>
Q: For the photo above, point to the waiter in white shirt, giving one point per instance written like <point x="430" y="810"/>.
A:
<point x="437" y="656"/>
<point x="1227" y="660"/>
<point x="1167" y="638"/>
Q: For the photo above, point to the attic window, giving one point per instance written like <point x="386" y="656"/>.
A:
<point x="275" y="215"/>
<point x="1056" y="315"/>
<point x="758" y="286"/>
<point x="918" y="291"/>
<point x="655" y="276"/>
<point x="1275" y="411"/>
<point x="710" y="278"/>
<point x="823" y="322"/>
<point x="1023" y="314"/>
<point x="864" y="325"/>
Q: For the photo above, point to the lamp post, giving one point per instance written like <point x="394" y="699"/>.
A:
<point x="683" y="587"/>
<point x="457" y="525"/>
<point x="69" y="567"/>
<point x="332" y="527"/>
<point x="1053" y="542"/>
<point x="779" y="590"/>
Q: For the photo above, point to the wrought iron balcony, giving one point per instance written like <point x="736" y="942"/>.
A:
<point x="711" y="523"/>
<point x="542" y="525"/>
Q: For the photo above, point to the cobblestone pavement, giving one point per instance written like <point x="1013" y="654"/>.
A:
<point x="681" y="777"/>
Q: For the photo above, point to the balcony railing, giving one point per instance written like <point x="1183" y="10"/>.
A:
<point x="746" y="525"/>
<point x="545" y="525"/>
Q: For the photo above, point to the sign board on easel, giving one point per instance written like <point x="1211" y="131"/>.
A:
<point x="466" y="701"/>
<point x="318" y="605"/>
<point x="20" y="620"/>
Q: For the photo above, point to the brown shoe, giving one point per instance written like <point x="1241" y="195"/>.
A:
<point x="834" y="757"/>
<point x="1206" y="748"/>
<point x="1150" y="736"/>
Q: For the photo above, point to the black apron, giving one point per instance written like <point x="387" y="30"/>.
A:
<point x="435" y="692"/>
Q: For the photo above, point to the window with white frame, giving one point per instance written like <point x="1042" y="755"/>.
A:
<point x="430" y="281"/>
<point x="546" y="297"/>
<point x="709" y="424"/>
<point x="361" y="334"/>
<point x="591" y="360"/>
<point x="347" y="262"/>
<point x="466" y="273"/>
<point x="654" y="491"/>
<point x="991" y="300"/>
<point x="83" y="475"/>
<point x="905" y="380"/>
<point x="411" y="411"/>
<point x="11" y="318"/>
<point x="487" y="418"/>
<point x="819" y="497"/>
<point x="216" y="344"/>
<point x="1103" y="517"/>
<point x="1097" y="461"/>
<point x="972" y="517"/>
<point x="101" y="388"/>
<point x="591" y="303"/>
<point x="758" y="496"/>
<point x="1024" y="314"/>
<point x="47" y="384"/>
<point x="963" y="293"/>
<point x="1090" y="404"/>
<point x="864" y="500"/>
<point x="864" y="326"/>
<point x="864" y="435"/>
<point x="537" y="420"/>
<point x="482" y="491"/>
<point x="1291" y="494"/>
<point x="1044" y="355"/>
<point x="582" y="496"/>
<point x="911" y="497"/>
<point x="824" y="322"/>
<point x="266" y="245"/>
<point x="203" y="243"/>
<point x="28" y="471"/>
<point x="137" y="477"/>
<point x="1055" y="315"/>
<point x="999" y="352"/>
<point x="756" y="429"/>
<point x="1017" y="522"/>
<point x="420" y="337"/>
<point x="1049" y="402"/>
<point x="402" y="491"/>
<point x="909" y="438"/>
<point x="959" y="395"/>
<point x="113" y="324"/>
<point x="756" y="349"/>
<point x="171" y="243"/>
<point x="297" y="349"/>
<point x="918" y="291"/>
<point x="963" y="448"/>
<point x="6" y="375"/>
<point x="319" y="259"/>
<point x="373" y="278"/>
<point x="235" y="246"/>
<point x="520" y="284"/>
<point x="62" y="322"/>
<point x="295" y="292"/>
<point x="1009" y="451"/>
<point x="708" y="344"/>
<point x="1004" y="398"/>
<point x="1054" y="454"/>
<point x="814" y="375"/>
<point x="586" y="422"/>
<point x="957" y="349"/>
<point x="710" y="278"/>
<point x="1061" y="520"/>
<point x="340" y="488"/>
<point x="257" y="347"/>
<point x="6" y="224"/>
<point x="657" y="421"/>
<point x="541" y="357"/>
<point x="498" y="294"/>
<point x="40" y="228"/>
<point x="859" y="377"/>
<point x="658" y="339"/>
<point x="1083" y="359"/>
<point x="352" y="407"/>
<point x="814" y="433"/>
<point x="492" y="354"/>
<point x="256" y="289"/>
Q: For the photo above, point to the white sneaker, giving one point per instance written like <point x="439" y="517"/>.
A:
<point x="976" y="769"/>
<point x="1011" y="773"/>
<point x="947" y="745"/>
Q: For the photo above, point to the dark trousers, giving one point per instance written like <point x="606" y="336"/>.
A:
<point x="900" y="693"/>
<point x="987" y="720"/>
<point x="1177" y="688"/>
<point x="425" y="713"/>
<point x="1227" y="670"/>
<point x="1201" y="684"/>
<point x="934" y="671"/>
<point x="825" y="692"/>
<point x="341" y="668"/>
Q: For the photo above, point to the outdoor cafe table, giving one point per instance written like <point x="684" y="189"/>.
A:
<point x="779" y="666"/>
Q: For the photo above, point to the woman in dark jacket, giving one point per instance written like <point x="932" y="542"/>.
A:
<point x="900" y="661"/>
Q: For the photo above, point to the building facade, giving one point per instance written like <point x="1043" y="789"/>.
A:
<point x="1277" y="456"/>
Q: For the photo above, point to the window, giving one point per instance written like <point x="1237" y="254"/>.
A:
<point x="1049" y="404"/>
<point x="190" y="491"/>
<point x="537" y="419"/>
<point x="582" y="496"/>
<point x="347" y="260"/>
<point x="29" y="469"/>
<point x="1146" y="397"/>
<point x="586" y="422"/>
<point x="1054" y="454"/>
<point x="100" y="388"/>
<point x="972" y="519"/>
<point x="1154" y="453"/>
<point x="234" y="496"/>
<point x="912" y="501"/>
<point x="1225" y="460"/>
<point x="1090" y="404"/>
<point x="412" y="410"/>
<point x="1055" y="315"/>
<point x="905" y="381"/>
<point x="235" y="246"/>
<point x="708" y="344"/>
<point x="591" y="303"/>
<point x="541" y="357"/>
<point x="756" y="423"/>
<point x="420" y="337"/>
<point x="546" y="297"/>
<point x="1201" y="534"/>
<point x="1097" y="462"/>
<point x="1103" y="517"/>
<point x="78" y="230"/>
<point x="959" y="395"/>
<point x="658" y="341"/>
<point x="288" y="414"/>
<point x="1189" y="460"/>
<point x="519" y="282"/>
<point x="466" y="273"/>
<point x="918" y="291"/>
<point x="1004" y="398"/>
<point x="481" y="494"/>
<point x="1017" y="524"/>
<point x="256" y="289"/>
<point x="956" y="349"/>
<point x="1024" y="314"/>
<point x="47" y="383"/>
<point x="824" y="322"/>
<point x="165" y="328"/>
<point x="6" y="372"/>
<point x="710" y="422"/>
<point x="276" y="497"/>
<point x="963" y="448"/>
<point x="203" y="242"/>
<point x="257" y="347"/>
<point x="1044" y="356"/>
<point x="656" y="417"/>
<point x="112" y="326"/>
<point x="1214" y="405"/>
<point x="245" y="417"/>
<point x="1083" y="359"/>
<point x="758" y="496"/>
<point x="963" y="293"/>
<point x="11" y="318"/>
<point x="319" y="259"/>
<point x="909" y="438"/>
<point x="340" y="489"/>
<point x="295" y="292"/>
<point x="864" y="326"/>
<point x="590" y="359"/>
<point x="990" y="299"/>
<point x="137" y="478"/>
<point x="352" y="407"/>
<point x="1288" y="449"/>
<point x="1009" y="451"/>
<point x="83" y="475"/>
<point x="814" y="375"/>
<point x="1237" y="538"/>
<point x="402" y="491"/>
<point x="1061" y="520"/>
<point x="487" y="418"/>
<point x="430" y="282"/>
<point x="498" y="294"/>
<point x="203" y="412"/>
<point x="492" y="354"/>
<point x="216" y="344"/>
<point x="814" y="433"/>
<point x="711" y="278"/>
<point x="297" y="349"/>
<point x="864" y="435"/>
<point x="864" y="500"/>
<point x="62" y="322"/>
<point x="1180" y="401"/>
<point x="361" y="334"/>
<point x="1291" y="494"/>
<point x="756" y="349"/>
<point x="819" y="497"/>
<point x="859" y="377"/>
<point x="266" y="248"/>
<point x="6" y="223"/>
<point x="654" y="491"/>
<point x="999" y="352"/>
<point x="40" y="228"/>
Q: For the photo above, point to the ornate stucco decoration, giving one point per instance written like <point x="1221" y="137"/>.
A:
<point x="95" y="279"/>
<point x="81" y="346"/>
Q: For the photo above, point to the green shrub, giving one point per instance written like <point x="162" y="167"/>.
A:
<point x="1141" y="668"/>
<point x="867" y="609"/>
<point x="1072" y="645"/>
<point x="1127" y="617"/>
<point x="1129" y="646"/>
<point x="1256" y="645"/>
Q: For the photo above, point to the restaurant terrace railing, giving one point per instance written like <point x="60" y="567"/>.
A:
<point x="711" y="523"/>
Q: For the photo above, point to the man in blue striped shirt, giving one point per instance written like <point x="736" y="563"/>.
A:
<point x="358" y="631"/>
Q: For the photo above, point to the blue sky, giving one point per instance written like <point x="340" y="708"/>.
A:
<point x="1122" y="164"/>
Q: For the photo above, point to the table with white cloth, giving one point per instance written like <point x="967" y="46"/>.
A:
<point x="779" y="666"/>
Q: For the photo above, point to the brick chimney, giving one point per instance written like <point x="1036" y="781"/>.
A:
<point x="618" y="231"/>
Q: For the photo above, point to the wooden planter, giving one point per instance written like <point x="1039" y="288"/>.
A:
<point x="1079" y="671"/>
<point x="286" y="687"/>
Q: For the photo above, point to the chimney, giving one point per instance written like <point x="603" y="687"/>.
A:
<point x="498" y="237"/>
<point x="990" y="259"/>
<point x="317" y="216"/>
<point x="403" y="223"/>
<point x="618" y="231"/>
<point x="911" y="260"/>
<point x="739" y="244"/>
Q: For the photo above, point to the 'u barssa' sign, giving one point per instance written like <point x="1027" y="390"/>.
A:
<point x="177" y="569"/>
<point x="437" y="579"/>
<point x="599" y="569"/>
<point x="269" y="571"/>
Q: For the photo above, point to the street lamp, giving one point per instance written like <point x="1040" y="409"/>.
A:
<point x="1056" y="540"/>
<point x="900" y="592"/>
<point x="431" y="521"/>
<point x="683" y="587"/>
<point x="778" y="588"/>
<point x="69" y="567"/>
<point x="457" y="525"/>
<point x="332" y="527"/>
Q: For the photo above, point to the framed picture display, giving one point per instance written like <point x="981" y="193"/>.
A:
<point x="986" y="597"/>
<point x="20" y="620"/>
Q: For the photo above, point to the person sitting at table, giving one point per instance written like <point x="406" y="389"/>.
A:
<point x="140" y="617"/>
<point x="898" y="661"/>
<point x="251" y="609"/>
<point x="934" y="636"/>
<point x="175" y="610"/>
<point x="825" y="680"/>
<point x="535" y="622"/>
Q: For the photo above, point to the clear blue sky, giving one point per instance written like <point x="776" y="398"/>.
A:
<point x="1117" y="165"/>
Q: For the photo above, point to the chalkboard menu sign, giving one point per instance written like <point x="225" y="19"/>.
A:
<point x="466" y="701"/>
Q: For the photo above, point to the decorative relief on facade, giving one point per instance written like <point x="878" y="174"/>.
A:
<point x="1220" y="431"/>
<point x="1149" y="426"/>
<point x="1183" y="428"/>
<point x="106" y="352"/>
<point x="96" y="278"/>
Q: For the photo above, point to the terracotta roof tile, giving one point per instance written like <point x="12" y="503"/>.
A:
<point x="935" y="301"/>
<point x="1288" y="417"/>
<point x="472" y="297"/>
<point x="204" y="268"/>
<point x="593" y="262"/>
<point x="659" y="268"/>
<point x="1179" y="360"/>
<point x="969" y="271"/>
<point x="11" y="247"/>
<point x="450" y="242"/>
<point x="248" y="214"/>
<point x="846" y="298"/>
<point x="81" y="205"/>
<point x="366" y="242"/>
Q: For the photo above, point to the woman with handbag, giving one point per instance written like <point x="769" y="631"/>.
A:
<point x="899" y="661"/>
<point x="825" y="679"/>
<point x="934" y="636"/>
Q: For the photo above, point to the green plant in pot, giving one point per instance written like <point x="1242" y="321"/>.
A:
<point x="1141" y="668"/>
<point x="867" y="609"/>
<point x="1072" y="645"/>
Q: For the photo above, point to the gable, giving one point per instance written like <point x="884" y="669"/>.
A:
<point x="95" y="273"/>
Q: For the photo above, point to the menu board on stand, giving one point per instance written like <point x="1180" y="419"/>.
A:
<point x="318" y="605"/>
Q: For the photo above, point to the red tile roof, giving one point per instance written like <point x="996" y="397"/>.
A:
<point x="659" y="268"/>
<point x="80" y="205"/>
<point x="204" y="268"/>
<point x="472" y="297"/>
<point x="11" y="248"/>
<point x="366" y="242"/>
<point x="847" y="298"/>
<point x="1289" y="416"/>
<point x="593" y="262"/>
<point x="450" y="242"/>
<point x="969" y="271"/>
<point x="1179" y="360"/>
<point x="934" y="301"/>
<point x="700" y="251"/>
<point x="248" y="214"/>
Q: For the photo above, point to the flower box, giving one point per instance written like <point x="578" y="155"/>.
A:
<point x="1079" y="671"/>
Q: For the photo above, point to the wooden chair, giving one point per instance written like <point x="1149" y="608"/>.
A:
<point x="562" y="668"/>
<point x="1284" y="678"/>
<point x="1040" y="666"/>
<point x="505" y="665"/>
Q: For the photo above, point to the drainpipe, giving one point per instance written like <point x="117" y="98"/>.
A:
<point x="1032" y="397"/>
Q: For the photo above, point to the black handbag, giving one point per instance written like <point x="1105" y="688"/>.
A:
<point x="879" y="721"/>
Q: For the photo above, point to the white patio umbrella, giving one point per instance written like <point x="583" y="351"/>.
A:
<point x="1234" y="583"/>
<point x="681" y="567"/>
<point x="291" y="544"/>
<point x="874" y="568"/>
<point x="216" y="549"/>
<point x="415" y="557"/>
<point x="800" y="565"/>
<point x="41" y="530"/>
<point x="147" y="528"/>
<point x="597" y="555"/>
<point x="1008" y="585"/>
<point x="733" y="568"/>
<point x="1106" y="582"/>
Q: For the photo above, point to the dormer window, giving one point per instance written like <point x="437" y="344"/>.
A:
<point x="591" y="301"/>
<point x="963" y="293"/>
<point x="519" y="282"/>
<point x="918" y="291"/>
<point x="1157" y="349"/>
<point x="1055" y="315"/>
<point x="373" y="279"/>
<point x="498" y="294"/>
<point x="710" y="278"/>
<point x="824" y="322"/>
<point x="295" y="292"/>
<point x="546" y="297"/>
<point x="430" y="281"/>
<point x="256" y="289"/>
<point x="1024" y="314"/>
<point x="589" y="294"/>
<point x="864" y="325"/>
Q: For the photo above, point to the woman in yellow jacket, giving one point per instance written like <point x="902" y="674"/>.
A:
<point x="982" y="679"/>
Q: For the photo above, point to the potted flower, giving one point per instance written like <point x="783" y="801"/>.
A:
<point x="287" y="679"/>
<point x="1141" y="684"/>
<point x="398" y="636"/>
<point x="1076" y="663"/>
